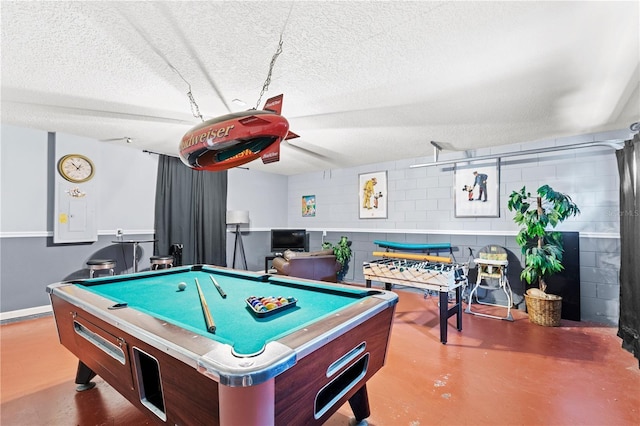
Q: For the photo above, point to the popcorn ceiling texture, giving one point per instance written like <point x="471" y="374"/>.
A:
<point x="364" y="82"/>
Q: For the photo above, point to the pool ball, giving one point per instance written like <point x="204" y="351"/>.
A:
<point x="182" y="286"/>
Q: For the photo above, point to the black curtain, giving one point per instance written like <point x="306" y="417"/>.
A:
<point x="629" y="323"/>
<point x="191" y="209"/>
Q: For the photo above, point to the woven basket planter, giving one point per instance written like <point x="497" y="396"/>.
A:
<point x="545" y="311"/>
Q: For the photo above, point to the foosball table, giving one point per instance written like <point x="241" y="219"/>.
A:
<point x="435" y="273"/>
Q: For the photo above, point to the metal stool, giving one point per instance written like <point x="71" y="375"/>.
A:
<point x="99" y="265"/>
<point x="161" y="262"/>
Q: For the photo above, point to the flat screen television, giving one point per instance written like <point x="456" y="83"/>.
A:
<point x="288" y="239"/>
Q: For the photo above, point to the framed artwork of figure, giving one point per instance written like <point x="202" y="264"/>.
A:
<point x="372" y="195"/>
<point x="477" y="188"/>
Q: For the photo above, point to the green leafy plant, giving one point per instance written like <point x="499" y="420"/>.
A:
<point x="542" y="248"/>
<point x="342" y="251"/>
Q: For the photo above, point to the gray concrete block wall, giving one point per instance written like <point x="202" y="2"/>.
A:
<point x="421" y="209"/>
<point x="600" y="279"/>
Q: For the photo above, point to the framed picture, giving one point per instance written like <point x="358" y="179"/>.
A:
<point x="372" y="195"/>
<point x="308" y="205"/>
<point x="477" y="188"/>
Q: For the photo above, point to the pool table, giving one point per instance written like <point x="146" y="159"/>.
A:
<point x="295" y="364"/>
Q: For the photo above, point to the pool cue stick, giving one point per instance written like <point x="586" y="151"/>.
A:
<point x="211" y="326"/>
<point x="220" y="290"/>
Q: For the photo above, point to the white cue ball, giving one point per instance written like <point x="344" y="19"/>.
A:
<point x="182" y="286"/>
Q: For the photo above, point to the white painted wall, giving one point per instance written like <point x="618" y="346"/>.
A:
<point x="264" y="195"/>
<point x="23" y="180"/>
<point x="125" y="178"/>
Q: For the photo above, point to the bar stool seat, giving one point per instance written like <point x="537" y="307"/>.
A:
<point x="161" y="262"/>
<point x="100" y="265"/>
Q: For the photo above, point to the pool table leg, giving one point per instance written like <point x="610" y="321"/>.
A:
<point x="83" y="377"/>
<point x="359" y="403"/>
<point x="252" y="405"/>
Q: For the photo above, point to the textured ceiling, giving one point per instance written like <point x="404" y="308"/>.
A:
<point x="364" y="82"/>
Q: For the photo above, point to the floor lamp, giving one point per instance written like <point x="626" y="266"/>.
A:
<point x="237" y="218"/>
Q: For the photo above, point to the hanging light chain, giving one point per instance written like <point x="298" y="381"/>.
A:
<point x="195" y="110"/>
<point x="265" y="86"/>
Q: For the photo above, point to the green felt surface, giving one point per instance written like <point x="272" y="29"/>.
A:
<point x="236" y="325"/>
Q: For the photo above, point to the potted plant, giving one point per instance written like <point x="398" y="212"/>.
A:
<point x="342" y="251"/>
<point x="541" y="247"/>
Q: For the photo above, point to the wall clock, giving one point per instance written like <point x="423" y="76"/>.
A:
<point x="76" y="168"/>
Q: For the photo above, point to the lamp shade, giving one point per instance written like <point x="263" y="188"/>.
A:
<point x="235" y="217"/>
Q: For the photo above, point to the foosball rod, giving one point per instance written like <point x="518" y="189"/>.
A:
<point x="390" y="255"/>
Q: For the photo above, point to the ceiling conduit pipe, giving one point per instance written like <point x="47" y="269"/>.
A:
<point x="612" y="143"/>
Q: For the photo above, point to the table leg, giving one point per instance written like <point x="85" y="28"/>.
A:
<point x="233" y="403"/>
<point x="444" y="315"/>
<point x="359" y="403"/>
<point x="83" y="377"/>
<point x="459" y="308"/>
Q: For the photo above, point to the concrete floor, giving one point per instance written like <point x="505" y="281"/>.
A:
<point x="492" y="373"/>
